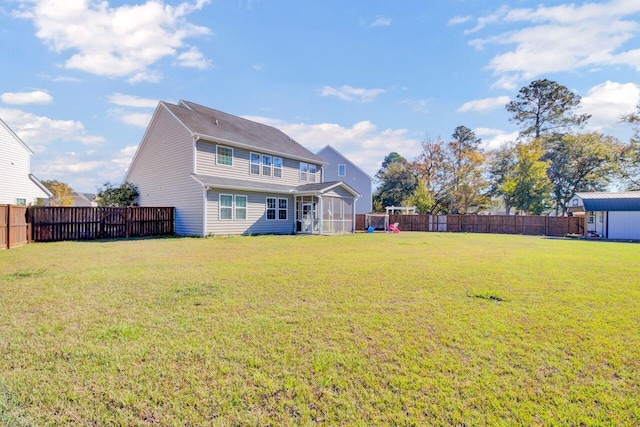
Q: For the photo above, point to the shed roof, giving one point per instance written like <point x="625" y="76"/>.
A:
<point x="611" y="201"/>
<point x="214" y="125"/>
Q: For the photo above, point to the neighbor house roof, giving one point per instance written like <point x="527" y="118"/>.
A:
<point x="606" y="201"/>
<point x="262" y="187"/>
<point x="217" y="126"/>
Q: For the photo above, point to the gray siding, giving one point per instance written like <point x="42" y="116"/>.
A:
<point x="162" y="171"/>
<point x="338" y="192"/>
<point x="355" y="178"/>
<point x="256" y="222"/>
<point x="206" y="165"/>
<point x="14" y="171"/>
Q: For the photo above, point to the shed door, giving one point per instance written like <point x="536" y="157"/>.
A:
<point x="624" y="225"/>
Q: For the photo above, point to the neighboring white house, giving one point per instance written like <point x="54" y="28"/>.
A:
<point x="17" y="185"/>
<point x="228" y="175"/>
<point x="608" y="215"/>
<point x="339" y="168"/>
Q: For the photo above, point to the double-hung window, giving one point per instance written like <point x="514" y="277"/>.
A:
<point x="266" y="165"/>
<point x="304" y="171"/>
<point x="226" y="207"/>
<point x="224" y="155"/>
<point x="277" y="167"/>
<point x="282" y="208"/>
<point x="277" y="208"/>
<point x="254" y="167"/>
<point x="232" y="207"/>
<point x="312" y="173"/>
<point x="240" y="207"/>
<point x="271" y="207"/>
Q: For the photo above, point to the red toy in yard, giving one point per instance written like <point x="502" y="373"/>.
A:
<point x="393" y="228"/>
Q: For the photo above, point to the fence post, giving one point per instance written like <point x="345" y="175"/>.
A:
<point x="546" y="225"/>
<point x="8" y="227"/>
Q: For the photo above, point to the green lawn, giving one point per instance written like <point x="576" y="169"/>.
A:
<point x="365" y="329"/>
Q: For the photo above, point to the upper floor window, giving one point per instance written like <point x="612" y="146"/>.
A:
<point x="342" y="170"/>
<point x="312" y="173"/>
<point x="277" y="167"/>
<point x="304" y="171"/>
<point x="224" y="155"/>
<point x="254" y="164"/>
<point x="264" y="164"/>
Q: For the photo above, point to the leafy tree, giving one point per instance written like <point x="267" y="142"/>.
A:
<point x="397" y="182"/>
<point x="123" y="195"/>
<point x="421" y="199"/>
<point x="532" y="185"/>
<point x="502" y="175"/>
<point x="62" y="193"/>
<point x="582" y="162"/>
<point x="545" y="106"/>
<point x="434" y="173"/>
<point x="466" y="160"/>
<point x="630" y="155"/>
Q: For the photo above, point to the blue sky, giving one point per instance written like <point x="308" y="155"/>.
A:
<point x="80" y="78"/>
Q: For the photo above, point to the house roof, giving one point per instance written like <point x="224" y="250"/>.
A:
<point x="606" y="201"/>
<point x="37" y="182"/>
<point x="87" y="196"/>
<point x="217" y="126"/>
<point x="17" y="138"/>
<point x="267" y="187"/>
<point x="329" y="147"/>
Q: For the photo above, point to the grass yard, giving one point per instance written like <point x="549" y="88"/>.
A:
<point x="411" y="329"/>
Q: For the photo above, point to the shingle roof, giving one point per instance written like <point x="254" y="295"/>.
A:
<point x="267" y="187"/>
<point x="606" y="201"/>
<point x="219" y="126"/>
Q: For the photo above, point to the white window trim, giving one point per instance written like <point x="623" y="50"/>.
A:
<point x="263" y="165"/>
<point x="273" y="166"/>
<point x="236" y="208"/>
<point x="218" y="155"/>
<point x="345" y="169"/>
<point x="259" y="164"/>
<point x="307" y="172"/>
<point x="286" y="210"/>
<point x="266" y="209"/>
<point x="226" y="207"/>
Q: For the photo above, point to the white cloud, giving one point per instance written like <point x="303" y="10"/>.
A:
<point x="121" y="41"/>
<point x="493" y="139"/>
<point x="22" y="98"/>
<point x="123" y="157"/>
<point x="132" y="101"/>
<point x="419" y="105"/>
<point x="607" y="102"/>
<point x="194" y="58"/>
<point x="348" y="93"/>
<point x="459" y="20"/>
<point x="37" y="131"/>
<point x="561" y="38"/>
<point x="363" y="143"/>
<point x="381" y="22"/>
<point x="484" y="105"/>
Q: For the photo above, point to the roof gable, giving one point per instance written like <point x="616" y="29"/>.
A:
<point x="215" y="125"/>
<point x="346" y="160"/>
<point x="16" y="137"/>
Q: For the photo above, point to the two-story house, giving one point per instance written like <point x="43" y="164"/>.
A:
<point x="17" y="185"/>
<point x="339" y="168"/>
<point x="228" y="175"/>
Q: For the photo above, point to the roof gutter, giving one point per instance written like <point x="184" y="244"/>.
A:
<point x="199" y="136"/>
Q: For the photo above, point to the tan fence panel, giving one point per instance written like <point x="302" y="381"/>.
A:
<point x="15" y="231"/>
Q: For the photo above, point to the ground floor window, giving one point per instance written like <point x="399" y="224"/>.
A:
<point x="232" y="207"/>
<point x="21" y="202"/>
<point x="277" y="208"/>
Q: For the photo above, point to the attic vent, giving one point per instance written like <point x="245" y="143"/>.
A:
<point x="216" y="122"/>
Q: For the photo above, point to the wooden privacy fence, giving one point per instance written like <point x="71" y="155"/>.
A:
<point x="14" y="229"/>
<point x="499" y="224"/>
<point x="51" y="224"/>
